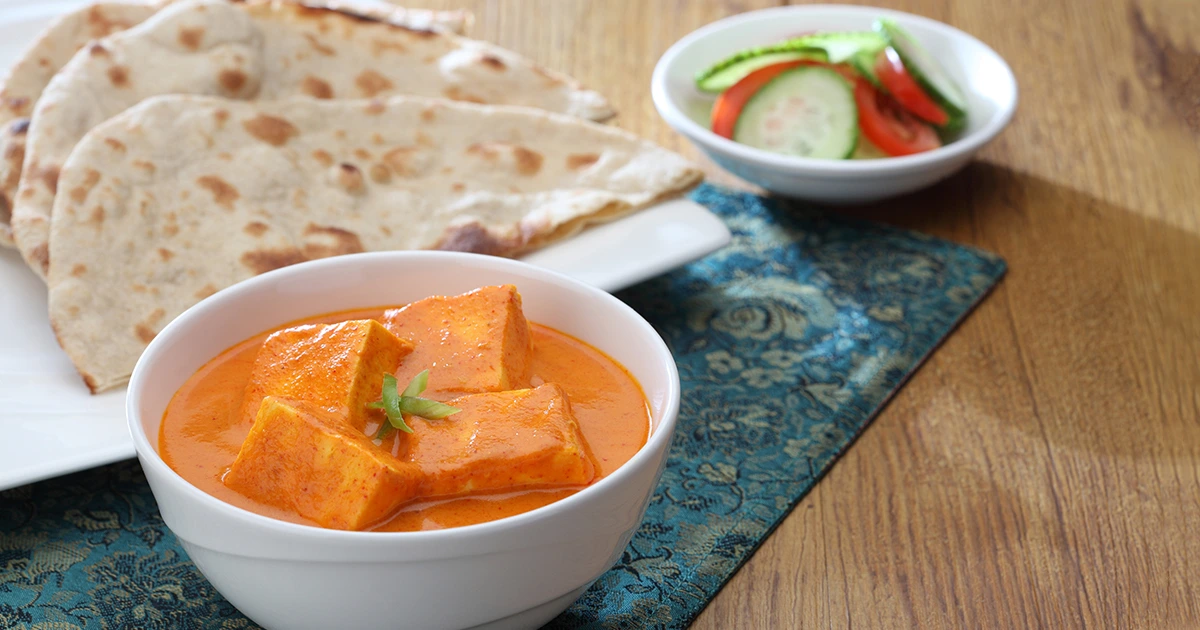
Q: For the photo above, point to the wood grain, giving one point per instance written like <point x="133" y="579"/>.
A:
<point x="1042" y="470"/>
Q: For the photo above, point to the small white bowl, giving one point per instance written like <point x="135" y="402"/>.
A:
<point x="517" y="572"/>
<point x="988" y="82"/>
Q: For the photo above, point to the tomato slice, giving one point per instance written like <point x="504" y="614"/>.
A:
<point x="888" y="125"/>
<point x="900" y="84"/>
<point x="729" y="104"/>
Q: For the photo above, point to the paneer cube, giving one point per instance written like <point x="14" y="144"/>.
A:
<point x="470" y="343"/>
<point x="297" y="457"/>
<point x="501" y="441"/>
<point x="338" y="367"/>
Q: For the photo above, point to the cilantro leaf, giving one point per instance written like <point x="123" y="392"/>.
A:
<point x="425" y="408"/>
<point x="395" y="404"/>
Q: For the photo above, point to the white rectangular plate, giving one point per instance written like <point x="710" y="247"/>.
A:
<point x="50" y="425"/>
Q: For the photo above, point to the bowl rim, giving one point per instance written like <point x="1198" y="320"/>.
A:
<point x="659" y="438"/>
<point x="682" y="123"/>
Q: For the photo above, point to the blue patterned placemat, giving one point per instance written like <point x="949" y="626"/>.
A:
<point x="788" y="342"/>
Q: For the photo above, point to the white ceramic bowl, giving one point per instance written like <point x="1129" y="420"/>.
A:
<point x="517" y="572"/>
<point x="988" y="82"/>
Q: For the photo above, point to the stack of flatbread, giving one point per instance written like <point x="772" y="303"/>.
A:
<point x="157" y="153"/>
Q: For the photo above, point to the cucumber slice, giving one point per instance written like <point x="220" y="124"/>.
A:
<point x="829" y="47"/>
<point x="864" y="64"/>
<point x="841" y="47"/>
<point x="807" y="111"/>
<point x="722" y="76"/>
<point x="926" y="71"/>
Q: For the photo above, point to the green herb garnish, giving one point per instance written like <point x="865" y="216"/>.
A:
<point x="395" y="404"/>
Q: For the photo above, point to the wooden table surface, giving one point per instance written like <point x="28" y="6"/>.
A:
<point x="1043" y="468"/>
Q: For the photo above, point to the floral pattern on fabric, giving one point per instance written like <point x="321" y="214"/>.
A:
<point x="90" y="550"/>
<point x="788" y="342"/>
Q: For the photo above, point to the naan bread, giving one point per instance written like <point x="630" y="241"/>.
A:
<point x="55" y="46"/>
<point x="182" y="196"/>
<point x="265" y="50"/>
<point x="20" y="89"/>
<point x="456" y="21"/>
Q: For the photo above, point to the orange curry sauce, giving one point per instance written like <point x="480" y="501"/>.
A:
<point x="202" y="429"/>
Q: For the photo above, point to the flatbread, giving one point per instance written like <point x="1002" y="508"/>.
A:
<point x="182" y="196"/>
<point x="55" y="46"/>
<point x="23" y="84"/>
<point x="456" y="21"/>
<point x="265" y="50"/>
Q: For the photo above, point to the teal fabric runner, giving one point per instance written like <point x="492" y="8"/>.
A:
<point x="788" y="342"/>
